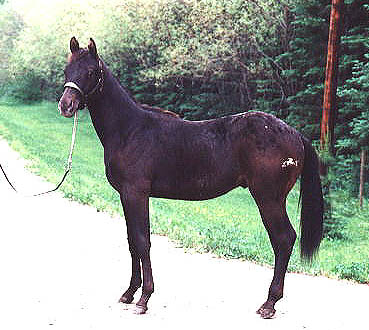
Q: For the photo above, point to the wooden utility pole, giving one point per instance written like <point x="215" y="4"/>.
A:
<point x="331" y="74"/>
<point x="330" y="108"/>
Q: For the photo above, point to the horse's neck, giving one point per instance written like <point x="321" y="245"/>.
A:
<point x="113" y="111"/>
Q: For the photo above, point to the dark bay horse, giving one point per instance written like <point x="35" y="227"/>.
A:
<point x="149" y="152"/>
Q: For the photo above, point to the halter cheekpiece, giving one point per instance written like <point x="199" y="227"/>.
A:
<point x="99" y="86"/>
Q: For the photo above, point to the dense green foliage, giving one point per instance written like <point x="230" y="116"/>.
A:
<point x="201" y="58"/>
<point x="229" y="226"/>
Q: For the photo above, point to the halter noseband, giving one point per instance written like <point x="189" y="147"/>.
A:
<point x="99" y="86"/>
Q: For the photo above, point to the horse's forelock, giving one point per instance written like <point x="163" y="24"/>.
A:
<point x="77" y="55"/>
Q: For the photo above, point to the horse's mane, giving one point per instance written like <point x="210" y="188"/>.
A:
<point x="159" y="110"/>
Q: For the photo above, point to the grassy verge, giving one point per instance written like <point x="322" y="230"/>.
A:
<point x="228" y="226"/>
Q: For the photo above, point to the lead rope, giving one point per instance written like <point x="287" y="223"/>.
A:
<point x="68" y="166"/>
<point x="73" y="142"/>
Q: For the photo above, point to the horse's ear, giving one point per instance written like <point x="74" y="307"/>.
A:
<point x="74" y="45"/>
<point x="92" y="48"/>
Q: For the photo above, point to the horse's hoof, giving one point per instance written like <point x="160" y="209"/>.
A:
<point x="266" y="313"/>
<point x="126" y="299"/>
<point x="139" y="310"/>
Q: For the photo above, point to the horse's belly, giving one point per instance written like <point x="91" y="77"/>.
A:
<point x="200" y="189"/>
<point x="203" y="172"/>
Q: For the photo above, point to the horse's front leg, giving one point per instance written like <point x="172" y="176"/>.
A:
<point x="136" y="280"/>
<point x="136" y="211"/>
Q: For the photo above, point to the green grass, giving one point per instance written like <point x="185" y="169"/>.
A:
<point x="228" y="226"/>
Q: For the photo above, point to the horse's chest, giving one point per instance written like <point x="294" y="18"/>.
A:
<point x="129" y="169"/>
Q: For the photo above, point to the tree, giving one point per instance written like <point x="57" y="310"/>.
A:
<point x="308" y="51"/>
<point x="353" y="120"/>
<point x="329" y="112"/>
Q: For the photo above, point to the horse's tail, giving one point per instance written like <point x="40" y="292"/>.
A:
<point x="312" y="203"/>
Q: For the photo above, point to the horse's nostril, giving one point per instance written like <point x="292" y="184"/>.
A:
<point x="65" y="106"/>
<point x="61" y="106"/>
<point x="71" y="106"/>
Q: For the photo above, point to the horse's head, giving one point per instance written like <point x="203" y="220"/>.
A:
<point x="83" y="77"/>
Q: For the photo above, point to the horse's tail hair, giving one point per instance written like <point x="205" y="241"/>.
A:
<point x="312" y="207"/>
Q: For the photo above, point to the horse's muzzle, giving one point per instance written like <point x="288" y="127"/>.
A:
<point x="69" y="102"/>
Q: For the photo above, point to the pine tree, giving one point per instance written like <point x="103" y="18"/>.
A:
<point x="294" y="88"/>
<point x="308" y="55"/>
<point x="352" y="128"/>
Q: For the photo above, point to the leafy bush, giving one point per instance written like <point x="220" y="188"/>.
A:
<point x="39" y="49"/>
<point x="11" y="25"/>
<point x="200" y="55"/>
<point x="358" y="271"/>
<point x="26" y="89"/>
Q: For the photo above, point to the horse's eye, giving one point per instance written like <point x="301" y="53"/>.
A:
<point x="90" y="72"/>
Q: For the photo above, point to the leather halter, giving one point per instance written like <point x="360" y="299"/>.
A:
<point x="99" y="86"/>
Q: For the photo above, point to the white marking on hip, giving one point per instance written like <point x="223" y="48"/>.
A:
<point x="289" y="162"/>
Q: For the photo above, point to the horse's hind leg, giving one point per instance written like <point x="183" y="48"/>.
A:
<point x="136" y="211"/>
<point x="282" y="237"/>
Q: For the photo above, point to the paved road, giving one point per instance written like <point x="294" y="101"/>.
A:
<point x="64" y="266"/>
